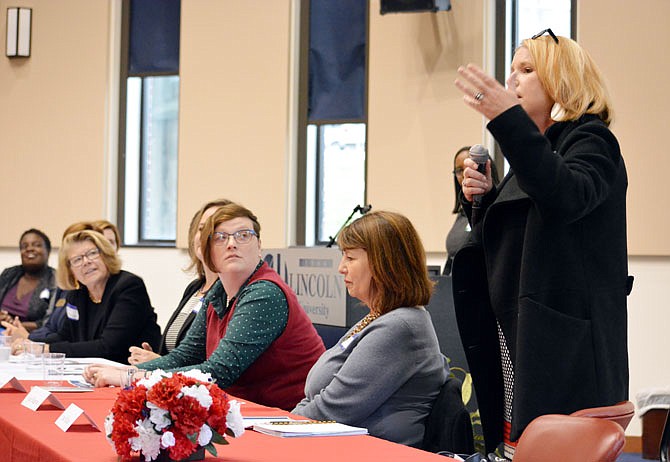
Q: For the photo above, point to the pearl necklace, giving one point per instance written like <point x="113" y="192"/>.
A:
<point x="362" y="324"/>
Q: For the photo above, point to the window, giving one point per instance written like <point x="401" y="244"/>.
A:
<point x="340" y="174"/>
<point x="333" y="116"/>
<point x="149" y="126"/>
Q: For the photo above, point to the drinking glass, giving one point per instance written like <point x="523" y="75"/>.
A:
<point x="33" y="354"/>
<point x="54" y="368"/>
<point x="126" y="379"/>
<point x="5" y="348"/>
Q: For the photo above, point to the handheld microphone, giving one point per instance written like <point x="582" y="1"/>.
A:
<point x="480" y="155"/>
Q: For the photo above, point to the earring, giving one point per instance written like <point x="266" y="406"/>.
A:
<point x="557" y="112"/>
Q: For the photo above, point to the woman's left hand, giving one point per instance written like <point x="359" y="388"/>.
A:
<point x="484" y="93"/>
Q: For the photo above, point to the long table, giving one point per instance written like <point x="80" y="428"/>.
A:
<point x="27" y="435"/>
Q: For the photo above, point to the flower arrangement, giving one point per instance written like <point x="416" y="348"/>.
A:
<point x="174" y="413"/>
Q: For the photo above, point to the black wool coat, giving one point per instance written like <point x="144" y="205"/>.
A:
<point x="548" y="263"/>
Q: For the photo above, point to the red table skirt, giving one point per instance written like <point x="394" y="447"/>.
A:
<point x="27" y="435"/>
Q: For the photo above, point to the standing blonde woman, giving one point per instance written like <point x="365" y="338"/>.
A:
<point x="541" y="294"/>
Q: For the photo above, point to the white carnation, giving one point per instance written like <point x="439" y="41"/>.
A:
<point x="205" y="435"/>
<point x="200" y="393"/>
<point x="198" y="375"/>
<point x="234" y="420"/>
<point x="148" y="441"/>
<point x="158" y="416"/>
<point x="167" y="440"/>
<point x="109" y="427"/>
<point x="153" y="378"/>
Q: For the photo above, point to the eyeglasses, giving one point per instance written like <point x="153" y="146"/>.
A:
<point x="242" y="236"/>
<point x="546" y="31"/>
<point x="91" y="255"/>
<point x="458" y="171"/>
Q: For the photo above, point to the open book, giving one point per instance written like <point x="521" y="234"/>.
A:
<point x="293" y="428"/>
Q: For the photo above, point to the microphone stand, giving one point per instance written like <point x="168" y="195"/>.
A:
<point x="358" y="208"/>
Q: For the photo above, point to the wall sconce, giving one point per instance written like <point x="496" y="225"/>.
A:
<point x="18" y="32"/>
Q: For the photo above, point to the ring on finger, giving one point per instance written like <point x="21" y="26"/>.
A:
<point x="479" y="96"/>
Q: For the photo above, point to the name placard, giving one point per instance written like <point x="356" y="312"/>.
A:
<point x="72" y="413"/>
<point x="38" y="396"/>
<point x="12" y="381"/>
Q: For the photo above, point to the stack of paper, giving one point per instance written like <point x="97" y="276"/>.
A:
<point x="295" y="428"/>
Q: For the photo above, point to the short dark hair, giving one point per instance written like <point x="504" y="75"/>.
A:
<point x="45" y="238"/>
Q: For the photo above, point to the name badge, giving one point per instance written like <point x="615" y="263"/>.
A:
<point x="344" y="345"/>
<point x="72" y="312"/>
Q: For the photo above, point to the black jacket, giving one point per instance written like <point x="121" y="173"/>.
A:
<point x="548" y="262"/>
<point x="122" y="319"/>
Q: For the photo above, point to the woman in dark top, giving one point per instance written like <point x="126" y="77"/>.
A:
<point x="194" y="295"/>
<point x="55" y="314"/>
<point x="460" y="231"/>
<point x="107" y="309"/>
<point x="25" y="289"/>
<point x="540" y="290"/>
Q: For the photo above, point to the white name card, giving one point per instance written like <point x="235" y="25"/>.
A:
<point x="38" y="396"/>
<point x="12" y="381"/>
<point x="72" y="413"/>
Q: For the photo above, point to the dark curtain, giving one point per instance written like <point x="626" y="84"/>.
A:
<point x="338" y="35"/>
<point x="154" y="37"/>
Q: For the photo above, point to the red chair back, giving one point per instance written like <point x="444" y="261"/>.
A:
<point x="565" y="438"/>
<point x="621" y="413"/>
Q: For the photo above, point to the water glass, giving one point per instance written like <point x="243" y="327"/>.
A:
<point x="5" y="348"/>
<point x="33" y="354"/>
<point x="54" y="368"/>
<point x="126" y="378"/>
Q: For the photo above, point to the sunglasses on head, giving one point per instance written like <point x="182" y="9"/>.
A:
<point x="546" y="31"/>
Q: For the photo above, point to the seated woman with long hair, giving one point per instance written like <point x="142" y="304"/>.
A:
<point x="387" y="370"/>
